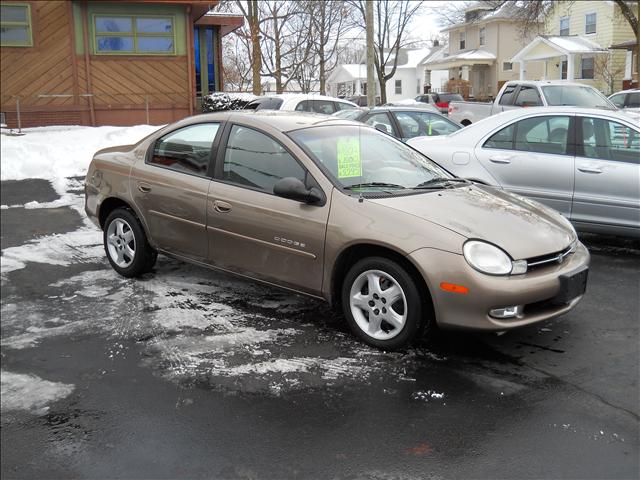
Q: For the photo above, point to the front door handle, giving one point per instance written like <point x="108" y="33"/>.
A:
<point x="221" y="207"/>
<point x="144" y="187"/>
<point x="500" y="159"/>
<point x="590" y="169"/>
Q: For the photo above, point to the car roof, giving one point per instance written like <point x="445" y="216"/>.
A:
<point x="408" y="108"/>
<point x="302" y="96"/>
<point x="544" y="83"/>
<point x="286" y="121"/>
<point x="630" y="90"/>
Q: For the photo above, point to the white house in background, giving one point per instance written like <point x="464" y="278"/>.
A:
<point x="409" y="79"/>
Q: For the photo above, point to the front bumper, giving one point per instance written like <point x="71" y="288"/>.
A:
<point x="534" y="290"/>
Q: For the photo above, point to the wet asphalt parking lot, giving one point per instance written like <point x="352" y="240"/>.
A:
<point x="189" y="373"/>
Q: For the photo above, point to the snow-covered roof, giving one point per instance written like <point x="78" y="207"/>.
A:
<point x="506" y="11"/>
<point x="415" y="57"/>
<point x="470" y="57"/>
<point x="437" y="53"/>
<point x="549" y="46"/>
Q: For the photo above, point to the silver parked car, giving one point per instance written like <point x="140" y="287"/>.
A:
<point x="585" y="163"/>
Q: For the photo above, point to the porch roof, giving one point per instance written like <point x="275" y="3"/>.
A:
<point x="546" y="46"/>
<point x="471" y="57"/>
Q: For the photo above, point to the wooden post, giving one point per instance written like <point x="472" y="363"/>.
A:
<point x="190" y="62"/>
<point x="87" y="62"/>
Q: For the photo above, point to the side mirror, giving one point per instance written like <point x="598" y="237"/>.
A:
<point x="382" y="127"/>
<point x="293" y="189"/>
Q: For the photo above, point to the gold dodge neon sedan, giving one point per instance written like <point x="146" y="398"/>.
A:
<point x="336" y="210"/>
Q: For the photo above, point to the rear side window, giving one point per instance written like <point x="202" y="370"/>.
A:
<point x="633" y="100"/>
<point x="608" y="140"/>
<point x="618" y="100"/>
<point x="323" y="106"/>
<point x="304" y="106"/>
<point x="502" y="139"/>
<point x="186" y="150"/>
<point x="507" y="94"/>
<point x="543" y="135"/>
<point x="255" y="160"/>
<point x="528" y="97"/>
<point x="270" y="104"/>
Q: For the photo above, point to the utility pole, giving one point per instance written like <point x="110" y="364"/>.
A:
<point x="371" y="82"/>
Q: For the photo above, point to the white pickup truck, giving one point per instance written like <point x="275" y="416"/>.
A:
<point x="524" y="93"/>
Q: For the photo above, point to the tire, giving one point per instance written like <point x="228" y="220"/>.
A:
<point x="126" y="244"/>
<point x="389" y="317"/>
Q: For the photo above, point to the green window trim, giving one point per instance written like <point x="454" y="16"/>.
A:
<point x="27" y="25"/>
<point x="134" y="34"/>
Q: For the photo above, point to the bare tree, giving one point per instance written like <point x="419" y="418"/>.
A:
<point x="285" y="27"/>
<point x="236" y="62"/>
<point x="391" y="20"/>
<point x="608" y="71"/>
<point x="249" y="9"/>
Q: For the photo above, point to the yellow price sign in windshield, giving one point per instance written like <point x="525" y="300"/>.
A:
<point x="349" y="161"/>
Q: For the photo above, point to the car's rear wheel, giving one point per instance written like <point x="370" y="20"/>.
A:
<point x="382" y="303"/>
<point x="126" y="244"/>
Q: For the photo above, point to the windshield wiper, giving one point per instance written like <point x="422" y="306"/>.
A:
<point x="374" y="184"/>
<point x="438" y="182"/>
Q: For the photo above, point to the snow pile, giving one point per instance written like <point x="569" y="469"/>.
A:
<point x="31" y="393"/>
<point x="55" y="153"/>
<point x="218" y="101"/>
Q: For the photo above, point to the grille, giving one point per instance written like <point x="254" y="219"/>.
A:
<point x="548" y="259"/>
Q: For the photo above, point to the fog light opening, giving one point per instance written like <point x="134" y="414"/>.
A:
<point x="513" y="311"/>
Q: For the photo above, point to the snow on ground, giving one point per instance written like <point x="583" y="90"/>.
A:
<point x="57" y="153"/>
<point x="29" y="392"/>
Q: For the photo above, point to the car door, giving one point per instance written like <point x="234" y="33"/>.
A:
<point x="253" y="232"/>
<point x="607" y="189"/>
<point x="169" y="187"/>
<point x="533" y="157"/>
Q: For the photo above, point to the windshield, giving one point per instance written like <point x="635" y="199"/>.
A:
<point x="363" y="159"/>
<point x="576" y="96"/>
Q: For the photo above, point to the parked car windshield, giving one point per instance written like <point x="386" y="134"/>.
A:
<point x="363" y="159"/>
<point x="576" y="96"/>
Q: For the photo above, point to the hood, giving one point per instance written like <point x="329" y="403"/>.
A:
<point x="521" y="227"/>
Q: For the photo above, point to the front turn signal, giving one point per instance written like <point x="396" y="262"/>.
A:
<point x="452" y="287"/>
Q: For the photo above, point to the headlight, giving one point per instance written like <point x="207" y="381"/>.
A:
<point x="487" y="258"/>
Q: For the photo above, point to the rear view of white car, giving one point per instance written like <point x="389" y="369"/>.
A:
<point x="585" y="163"/>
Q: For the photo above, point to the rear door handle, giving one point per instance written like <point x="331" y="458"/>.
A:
<point x="221" y="207"/>
<point x="500" y="159"/>
<point x="590" y="169"/>
<point x="144" y="187"/>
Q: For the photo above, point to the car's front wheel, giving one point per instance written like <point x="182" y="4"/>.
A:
<point x="126" y="244"/>
<point x="382" y="303"/>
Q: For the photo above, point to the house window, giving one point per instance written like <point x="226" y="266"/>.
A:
<point x="563" y="70"/>
<point x="564" y="26"/>
<point x="15" y="25"/>
<point x="590" y="23"/>
<point x="482" y="33"/>
<point x="463" y="38"/>
<point x="507" y="66"/>
<point x="134" y="35"/>
<point x="399" y="87"/>
<point x="587" y="68"/>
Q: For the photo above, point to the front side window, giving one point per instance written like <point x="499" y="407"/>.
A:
<point x="325" y="107"/>
<point x="15" y="25"/>
<point x="564" y="26"/>
<point x="361" y="159"/>
<point x="542" y="135"/>
<point x="380" y="121"/>
<point x="608" y="140"/>
<point x="415" y="124"/>
<point x="134" y="35"/>
<point x="482" y="36"/>
<point x="399" y="87"/>
<point x="528" y="97"/>
<point x="255" y="160"/>
<point x="587" y="67"/>
<point x="304" y="106"/>
<point x="590" y="23"/>
<point x="463" y="40"/>
<point x="503" y="139"/>
<point x="186" y="150"/>
<point x="633" y="100"/>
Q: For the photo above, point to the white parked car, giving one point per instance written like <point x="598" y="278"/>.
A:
<point x="585" y="163"/>
<point x="301" y="103"/>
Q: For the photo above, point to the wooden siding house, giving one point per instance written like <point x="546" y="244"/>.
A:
<point x="108" y="62"/>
